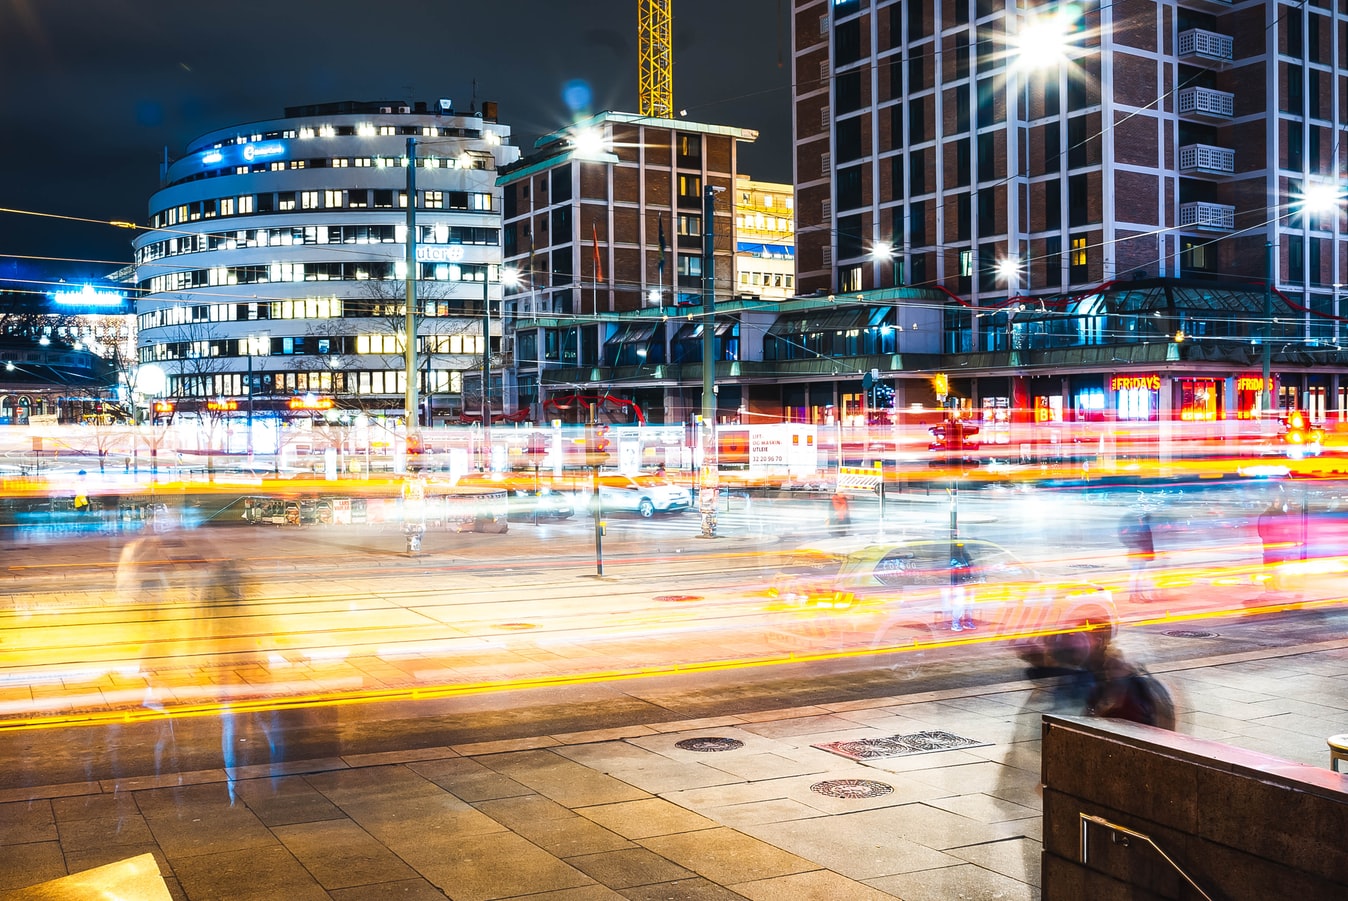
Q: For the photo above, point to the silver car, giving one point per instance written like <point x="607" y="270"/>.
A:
<point x="644" y="494"/>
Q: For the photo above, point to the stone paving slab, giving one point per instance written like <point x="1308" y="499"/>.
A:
<point x="626" y="813"/>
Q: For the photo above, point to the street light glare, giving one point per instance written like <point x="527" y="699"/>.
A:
<point x="882" y="250"/>
<point x="1321" y="197"/>
<point x="1042" y="42"/>
<point x="510" y="276"/>
<point x="589" y="142"/>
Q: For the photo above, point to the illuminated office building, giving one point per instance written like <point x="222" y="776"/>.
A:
<point x="765" y="243"/>
<point x="273" y="269"/>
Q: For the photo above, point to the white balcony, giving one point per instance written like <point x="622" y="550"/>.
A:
<point x="1204" y="159"/>
<point x="1206" y="103"/>
<point x="1218" y="217"/>
<point x="1197" y="44"/>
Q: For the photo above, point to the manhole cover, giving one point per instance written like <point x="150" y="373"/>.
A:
<point x="900" y="745"/>
<point x="851" y="788"/>
<point x="515" y="627"/>
<point x="678" y="598"/>
<point x="1190" y="633"/>
<point x="709" y="744"/>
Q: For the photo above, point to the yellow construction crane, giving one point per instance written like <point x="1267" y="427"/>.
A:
<point x="655" y="81"/>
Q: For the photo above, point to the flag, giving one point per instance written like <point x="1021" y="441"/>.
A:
<point x="598" y="266"/>
<point x="662" y="246"/>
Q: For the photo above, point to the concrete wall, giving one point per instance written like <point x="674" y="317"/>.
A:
<point x="1242" y="825"/>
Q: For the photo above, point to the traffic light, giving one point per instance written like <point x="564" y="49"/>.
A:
<point x="1302" y="439"/>
<point x="953" y="435"/>
<point x="536" y="450"/>
<point x="597" y="444"/>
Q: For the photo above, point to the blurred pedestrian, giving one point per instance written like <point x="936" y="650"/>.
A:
<point x="1126" y="691"/>
<point x="839" y="514"/>
<point x="1280" y="533"/>
<point x="1135" y="534"/>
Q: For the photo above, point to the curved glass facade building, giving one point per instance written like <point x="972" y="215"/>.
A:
<point x="272" y="276"/>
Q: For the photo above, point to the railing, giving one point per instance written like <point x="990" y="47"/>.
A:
<point x="1205" y="45"/>
<point x="1122" y="834"/>
<point x="1206" y="102"/>
<point x="1214" y="216"/>
<point x="1206" y="158"/>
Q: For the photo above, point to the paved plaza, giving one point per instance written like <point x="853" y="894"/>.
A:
<point x="648" y="810"/>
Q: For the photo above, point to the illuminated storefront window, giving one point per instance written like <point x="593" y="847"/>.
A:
<point x="1249" y="394"/>
<point x="1135" y="396"/>
<point x="1200" y="400"/>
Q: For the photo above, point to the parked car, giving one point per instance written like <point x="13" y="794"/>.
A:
<point x="526" y="495"/>
<point x="644" y="494"/>
<point x="924" y="591"/>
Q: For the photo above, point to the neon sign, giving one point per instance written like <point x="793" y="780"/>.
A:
<point x="1135" y="383"/>
<point x="309" y="402"/>
<point x="262" y="151"/>
<point x="1249" y="383"/>
<point x="222" y="406"/>
<point x="88" y="296"/>
<point x="163" y="406"/>
<point x="214" y="156"/>
<point x="439" y="254"/>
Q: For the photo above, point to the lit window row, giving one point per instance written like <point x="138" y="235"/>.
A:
<point x="379" y="381"/>
<point x="767" y="279"/>
<point x="334" y="199"/>
<point x="439" y="234"/>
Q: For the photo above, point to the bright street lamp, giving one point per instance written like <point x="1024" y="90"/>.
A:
<point x="885" y="250"/>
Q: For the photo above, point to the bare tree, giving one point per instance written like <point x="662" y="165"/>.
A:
<point x="385" y="305"/>
<point x="202" y="356"/>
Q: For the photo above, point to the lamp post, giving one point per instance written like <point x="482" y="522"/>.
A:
<point x="509" y="278"/>
<point x="254" y="342"/>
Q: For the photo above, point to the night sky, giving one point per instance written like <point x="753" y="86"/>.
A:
<point x="94" y="90"/>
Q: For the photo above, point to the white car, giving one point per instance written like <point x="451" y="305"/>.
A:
<point x="923" y="591"/>
<point x="644" y="494"/>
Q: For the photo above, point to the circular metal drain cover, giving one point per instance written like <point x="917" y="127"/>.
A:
<point x="1190" y="633"/>
<point x="709" y="744"/>
<point x="851" y="788"/>
<point x="515" y="627"/>
<point x="678" y="598"/>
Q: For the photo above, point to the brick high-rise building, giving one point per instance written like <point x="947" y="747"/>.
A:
<point x="1166" y="139"/>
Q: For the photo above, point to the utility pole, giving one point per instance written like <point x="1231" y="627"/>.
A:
<point x="710" y="474"/>
<point x="486" y="369"/>
<point x="411" y="406"/>
<point x="1268" y="327"/>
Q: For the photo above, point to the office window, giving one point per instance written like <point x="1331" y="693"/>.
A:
<point x="917" y="173"/>
<point x="987" y="213"/>
<point x="896" y="125"/>
<point x="966" y="263"/>
<point x="1053" y="260"/>
<point x="1077" y="139"/>
<point x="847" y="92"/>
<point x="917" y="224"/>
<point x="895" y="64"/>
<point x="987" y="157"/>
<point x="1077" y="205"/>
<point x="962" y="107"/>
<point x="689" y="224"/>
<point x="917" y="120"/>
<point x="1078" y="260"/>
<point x="1053" y="204"/>
<point x="1052" y="135"/>
<point x="963" y="163"/>
<point x="962" y="216"/>
<point x="310" y="200"/>
<point x="689" y="151"/>
<point x="847" y="140"/>
<point x="690" y="186"/>
<point x="850" y="241"/>
<point x="847" y="194"/>
<point x="847" y="41"/>
<point x="896" y="177"/>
